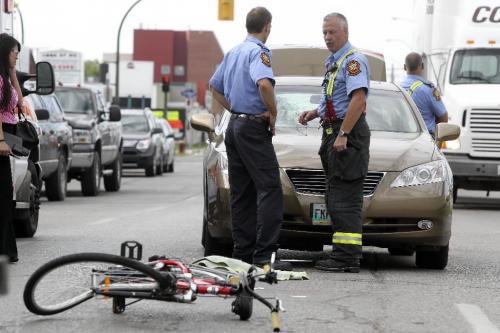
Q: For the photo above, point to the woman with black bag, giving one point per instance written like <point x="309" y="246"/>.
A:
<point x="10" y="97"/>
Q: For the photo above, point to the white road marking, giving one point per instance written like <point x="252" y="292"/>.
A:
<point x="102" y="221"/>
<point x="299" y="296"/>
<point x="477" y="319"/>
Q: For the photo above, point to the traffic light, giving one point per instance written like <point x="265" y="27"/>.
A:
<point x="226" y="10"/>
<point x="165" y="83"/>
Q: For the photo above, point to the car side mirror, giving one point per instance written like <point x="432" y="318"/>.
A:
<point x="156" y="130"/>
<point x="203" y="122"/>
<point x="44" y="83"/>
<point x="447" y="132"/>
<point x="115" y="113"/>
<point x="42" y="114"/>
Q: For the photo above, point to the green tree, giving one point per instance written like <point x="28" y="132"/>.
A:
<point x="91" y="70"/>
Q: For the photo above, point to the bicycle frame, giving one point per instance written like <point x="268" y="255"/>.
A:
<point x="159" y="279"/>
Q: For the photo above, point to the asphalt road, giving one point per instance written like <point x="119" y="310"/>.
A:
<point x="164" y="214"/>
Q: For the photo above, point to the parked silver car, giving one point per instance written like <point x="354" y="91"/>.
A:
<point x="168" y="145"/>
<point x="142" y="142"/>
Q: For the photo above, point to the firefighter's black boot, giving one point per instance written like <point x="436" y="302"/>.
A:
<point x="337" y="266"/>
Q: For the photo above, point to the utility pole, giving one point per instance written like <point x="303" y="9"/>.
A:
<point x="117" y="80"/>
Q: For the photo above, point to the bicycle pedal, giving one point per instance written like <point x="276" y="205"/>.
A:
<point x="132" y="250"/>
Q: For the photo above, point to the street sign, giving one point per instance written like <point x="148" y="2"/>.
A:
<point x="188" y="93"/>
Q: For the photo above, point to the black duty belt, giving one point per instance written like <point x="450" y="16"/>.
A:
<point x="259" y="119"/>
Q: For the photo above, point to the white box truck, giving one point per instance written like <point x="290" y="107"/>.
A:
<point x="461" y="43"/>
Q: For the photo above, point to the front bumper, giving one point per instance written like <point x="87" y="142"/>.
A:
<point x="83" y="156"/>
<point x="474" y="174"/>
<point x="133" y="158"/>
<point x="390" y="215"/>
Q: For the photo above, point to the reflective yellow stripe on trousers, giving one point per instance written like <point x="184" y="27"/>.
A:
<point x="347" y="238"/>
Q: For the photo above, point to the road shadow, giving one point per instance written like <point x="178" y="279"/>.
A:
<point x="373" y="260"/>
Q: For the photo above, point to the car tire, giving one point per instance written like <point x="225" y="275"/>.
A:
<point x="455" y="194"/>
<point x="27" y="227"/>
<point x="91" y="178"/>
<point x="150" y="170"/>
<point x="160" y="166"/>
<point x="165" y="165"/>
<point x="213" y="246"/>
<point x="433" y="259"/>
<point x="57" y="184"/>
<point x="113" y="182"/>
<point x="171" y="167"/>
<point x="401" y="251"/>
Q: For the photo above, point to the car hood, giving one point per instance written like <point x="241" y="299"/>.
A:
<point x="389" y="151"/>
<point x="80" y="120"/>
<point x="136" y="136"/>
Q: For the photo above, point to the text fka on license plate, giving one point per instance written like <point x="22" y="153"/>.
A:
<point x="319" y="214"/>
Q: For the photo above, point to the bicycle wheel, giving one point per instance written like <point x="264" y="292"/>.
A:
<point x="68" y="281"/>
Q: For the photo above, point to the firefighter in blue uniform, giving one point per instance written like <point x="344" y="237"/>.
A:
<point x="345" y="143"/>
<point x="244" y="84"/>
<point x="424" y="94"/>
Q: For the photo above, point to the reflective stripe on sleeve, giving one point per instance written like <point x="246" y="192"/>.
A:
<point x="414" y="86"/>
<point x="347" y="238"/>
<point x="333" y="75"/>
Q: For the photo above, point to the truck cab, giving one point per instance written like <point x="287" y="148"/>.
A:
<point x="97" y="139"/>
<point x="463" y="61"/>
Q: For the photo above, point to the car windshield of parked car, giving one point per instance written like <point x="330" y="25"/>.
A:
<point x="75" y="101"/>
<point x="386" y="110"/>
<point x="134" y="124"/>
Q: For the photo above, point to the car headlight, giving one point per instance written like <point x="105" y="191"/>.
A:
<point x="143" y="145"/>
<point x="452" y="145"/>
<point x="433" y="172"/>
<point x="82" y="136"/>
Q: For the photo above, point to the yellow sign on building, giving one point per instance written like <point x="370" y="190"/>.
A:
<point x="226" y="10"/>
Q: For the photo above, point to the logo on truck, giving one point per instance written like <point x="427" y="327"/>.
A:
<point x="481" y="14"/>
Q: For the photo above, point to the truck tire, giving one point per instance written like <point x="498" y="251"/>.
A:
<point x="56" y="185"/>
<point x="27" y="226"/>
<point x="113" y="182"/>
<point x="91" y="178"/>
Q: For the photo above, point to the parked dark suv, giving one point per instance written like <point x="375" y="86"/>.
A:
<point x="142" y="142"/>
<point x="56" y="145"/>
<point x="97" y="139"/>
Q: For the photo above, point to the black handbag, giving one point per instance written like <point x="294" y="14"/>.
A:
<point x="16" y="144"/>
<point x="27" y="132"/>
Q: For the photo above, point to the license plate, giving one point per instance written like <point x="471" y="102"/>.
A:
<point x="319" y="214"/>
<point x="129" y="143"/>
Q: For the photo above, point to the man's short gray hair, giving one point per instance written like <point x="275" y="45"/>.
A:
<point x="342" y="19"/>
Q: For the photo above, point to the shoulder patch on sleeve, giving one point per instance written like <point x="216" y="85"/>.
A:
<point x="353" y="67"/>
<point x="436" y="94"/>
<point x="265" y="59"/>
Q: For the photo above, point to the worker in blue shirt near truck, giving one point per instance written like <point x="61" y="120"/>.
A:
<point x="424" y="94"/>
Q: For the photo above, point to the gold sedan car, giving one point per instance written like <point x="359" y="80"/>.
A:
<point x="407" y="192"/>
